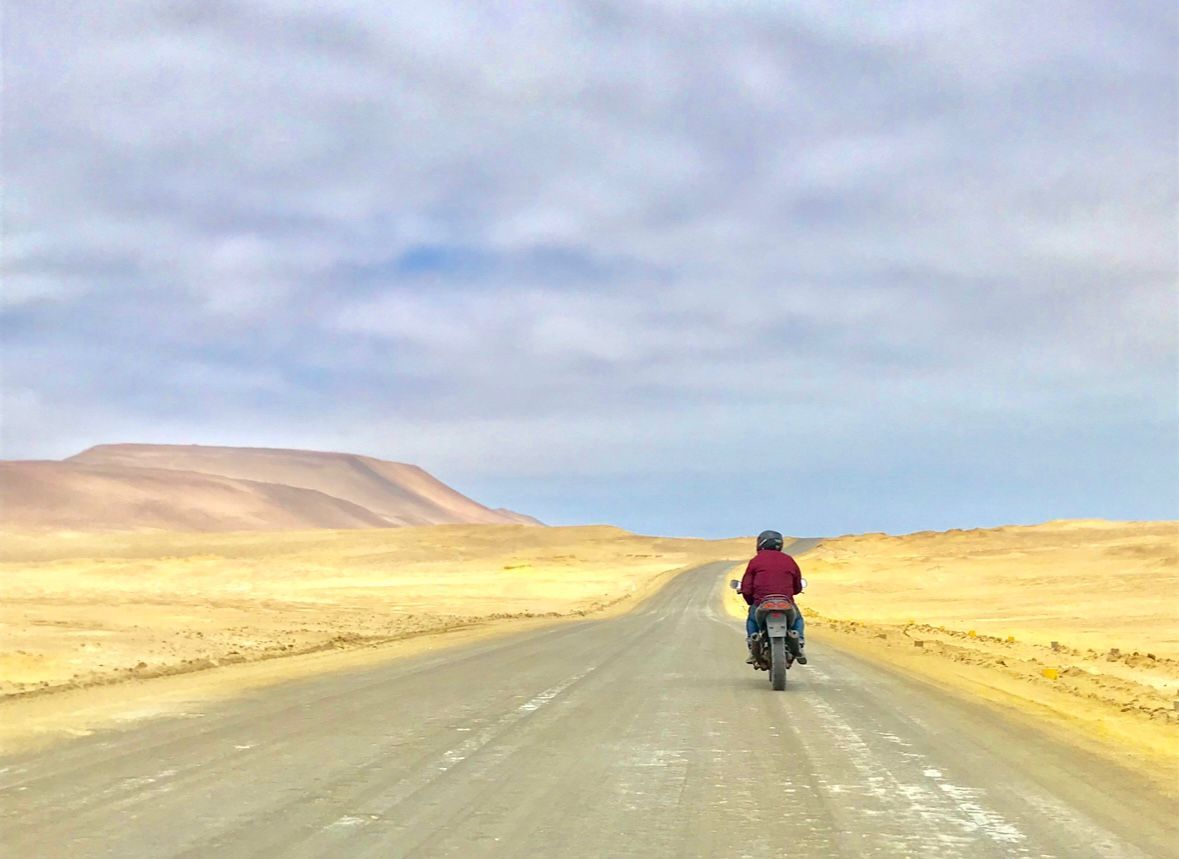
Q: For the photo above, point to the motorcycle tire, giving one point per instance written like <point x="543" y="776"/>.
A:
<point x="778" y="664"/>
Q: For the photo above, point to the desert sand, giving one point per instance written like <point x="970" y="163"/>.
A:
<point x="83" y="609"/>
<point x="401" y="493"/>
<point x="1087" y="584"/>
<point x="54" y="496"/>
<point x="1076" y="622"/>
<point x="136" y="487"/>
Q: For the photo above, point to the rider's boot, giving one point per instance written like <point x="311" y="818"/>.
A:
<point x="749" y="644"/>
<point x="801" y="658"/>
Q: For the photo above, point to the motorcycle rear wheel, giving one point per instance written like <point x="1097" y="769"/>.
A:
<point x="778" y="664"/>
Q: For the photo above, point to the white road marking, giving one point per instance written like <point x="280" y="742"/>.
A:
<point x="1096" y="838"/>
<point x="477" y="741"/>
<point x="931" y="818"/>
<point x="451" y="758"/>
<point x="348" y="820"/>
<point x="993" y="825"/>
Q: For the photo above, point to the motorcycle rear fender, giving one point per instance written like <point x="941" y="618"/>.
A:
<point x="777" y="624"/>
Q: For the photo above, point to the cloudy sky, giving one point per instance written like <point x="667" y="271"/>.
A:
<point x="690" y="268"/>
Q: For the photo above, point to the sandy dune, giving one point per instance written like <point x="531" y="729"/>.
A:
<point x="1077" y="622"/>
<point x="82" y="497"/>
<point x="90" y="609"/>
<point x="1088" y="585"/>
<point x="192" y="488"/>
<point x="401" y="494"/>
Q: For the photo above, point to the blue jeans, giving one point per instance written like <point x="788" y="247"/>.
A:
<point x="799" y="623"/>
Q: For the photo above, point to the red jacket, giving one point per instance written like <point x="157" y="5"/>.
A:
<point x="771" y="572"/>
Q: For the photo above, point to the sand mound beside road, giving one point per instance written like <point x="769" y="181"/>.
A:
<point x="1088" y="585"/>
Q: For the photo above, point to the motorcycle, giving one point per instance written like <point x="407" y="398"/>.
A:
<point x="775" y="645"/>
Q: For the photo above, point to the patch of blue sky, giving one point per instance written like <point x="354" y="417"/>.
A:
<point x="464" y="269"/>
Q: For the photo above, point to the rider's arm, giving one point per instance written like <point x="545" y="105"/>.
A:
<point x="796" y="574"/>
<point x="747" y="583"/>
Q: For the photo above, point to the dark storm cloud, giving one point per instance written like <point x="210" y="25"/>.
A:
<point x="604" y="239"/>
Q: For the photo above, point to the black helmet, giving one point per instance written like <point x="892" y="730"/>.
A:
<point x="769" y="540"/>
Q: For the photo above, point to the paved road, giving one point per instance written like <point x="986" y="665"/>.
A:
<point x="639" y="736"/>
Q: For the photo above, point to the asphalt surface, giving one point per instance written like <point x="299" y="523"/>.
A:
<point x="643" y="735"/>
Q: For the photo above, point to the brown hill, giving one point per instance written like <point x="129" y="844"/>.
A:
<point x="400" y="494"/>
<point x="79" y="496"/>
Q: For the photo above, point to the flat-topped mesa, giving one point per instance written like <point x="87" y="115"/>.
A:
<point x="74" y="496"/>
<point x="205" y="488"/>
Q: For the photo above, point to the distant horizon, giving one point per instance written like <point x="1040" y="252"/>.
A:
<point x="694" y="268"/>
<point x="714" y="535"/>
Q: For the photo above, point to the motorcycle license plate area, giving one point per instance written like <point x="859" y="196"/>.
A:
<point x="776" y="624"/>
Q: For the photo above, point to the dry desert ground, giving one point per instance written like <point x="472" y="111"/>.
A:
<point x="88" y="610"/>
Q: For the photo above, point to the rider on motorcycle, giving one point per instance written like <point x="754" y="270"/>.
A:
<point x="771" y="571"/>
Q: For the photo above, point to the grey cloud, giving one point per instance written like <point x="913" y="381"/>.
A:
<point x="602" y="234"/>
